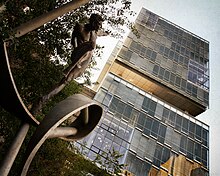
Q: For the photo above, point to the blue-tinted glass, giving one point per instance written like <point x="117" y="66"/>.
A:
<point x="191" y="129"/>
<point x="172" y="78"/>
<point x="185" y="125"/>
<point x="183" y="84"/>
<point x="205" y="156"/>
<point x="167" y="75"/>
<point x="148" y="53"/>
<point x="161" y="72"/>
<point x="155" y="128"/>
<point x="171" y="54"/>
<point x="147" y="126"/>
<point x="205" y="134"/>
<point x="114" y="104"/>
<point x="107" y="99"/>
<point x="153" y="56"/>
<point x="183" y="144"/>
<point x="166" y="113"/>
<point x="162" y="133"/>
<point x="190" y="148"/>
<point x="161" y="49"/>
<point x="198" y="132"/>
<point x="141" y="120"/>
<point x="172" y="117"/>
<point x="156" y="69"/>
<point x="146" y="103"/>
<point x="165" y="155"/>
<point x="197" y="151"/>
<point x="121" y="107"/>
<point x="152" y="108"/>
<point x="127" y="112"/>
<point x="107" y="82"/>
<point x="166" y="52"/>
<point x="178" y="123"/>
<point x="157" y="156"/>
<point x="113" y="87"/>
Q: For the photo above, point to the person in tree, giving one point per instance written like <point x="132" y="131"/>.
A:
<point x="84" y="42"/>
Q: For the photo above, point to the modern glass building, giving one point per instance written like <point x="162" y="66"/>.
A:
<point x="152" y="88"/>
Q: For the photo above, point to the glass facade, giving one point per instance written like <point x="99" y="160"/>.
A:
<point x="154" y="137"/>
<point x="171" y="54"/>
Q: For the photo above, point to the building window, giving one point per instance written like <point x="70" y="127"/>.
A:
<point x="190" y="149"/>
<point x="197" y="74"/>
<point x="151" y="21"/>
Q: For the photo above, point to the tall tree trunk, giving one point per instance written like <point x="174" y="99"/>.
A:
<point x="44" y="18"/>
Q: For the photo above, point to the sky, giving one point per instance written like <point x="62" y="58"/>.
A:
<point x="201" y="17"/>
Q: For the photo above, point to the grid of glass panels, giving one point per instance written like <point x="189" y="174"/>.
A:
<point x="157" y="131"/>
<point x="110" y="134"/>
<point x="172" y="55"/>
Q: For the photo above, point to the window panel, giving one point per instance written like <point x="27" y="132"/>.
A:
<point x="172" y="117"/>
<point x="107" y="82"/>
<point x="107" y="99"/>
<point x="183" y="84"/>
<point x="171" y="54"/>
<point x="167" y="75"/>
<point x="157" y="156"/>
<point x="121" y="107"/>
<point x="127" y="112"/>
<point x="100" y="96"/>
<point x="155" y="128"/>
<point x="165" y="155"/>
<point x="190" y="148"/>
<point x="156" y="69"/>
<point x="147" y="126"/>
<point x="152" y="108"/>
<point x="166" y="52"/>
<point x="197" y="151"/>
<point x="198" y="132"/>
<point x="153" y="56"/>
<point x="148" y="53"/>
<point x="146" y="103"/>
<point x="166" y="113"/>
<point x="141" y="121"/>
<point x="205" y="134"/>
<point x="114" y="86"/>
<point x="185" y="125"/>
<point x="143" y="51"/>
<point x="205" y="156"/>
<point x="161" y="49"/>
<point x="161" y="72"/>
<point x="139" y="101"/>
<point x="159" y="110"/>
<point x="114" y="104"/>
<point x="134" y="116"/>
<point x="176" y="138"/>
<point x="183" y="144"/>
<point x="162" y="133"/>
<point x="177" y="81"/>
<point x="178" y="122"/>
<point x="191" y="129"/>
<point x="172" y="78"/>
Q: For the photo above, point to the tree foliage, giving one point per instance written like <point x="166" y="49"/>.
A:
<point x="39" y="58"/>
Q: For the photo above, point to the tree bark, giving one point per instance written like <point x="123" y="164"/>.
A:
<point x="44" y="18"/>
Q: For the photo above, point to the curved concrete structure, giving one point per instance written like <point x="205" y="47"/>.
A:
<point x="71" y="119"/>
<point x="10" y="99"/>
<point x="84" y="114"/>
